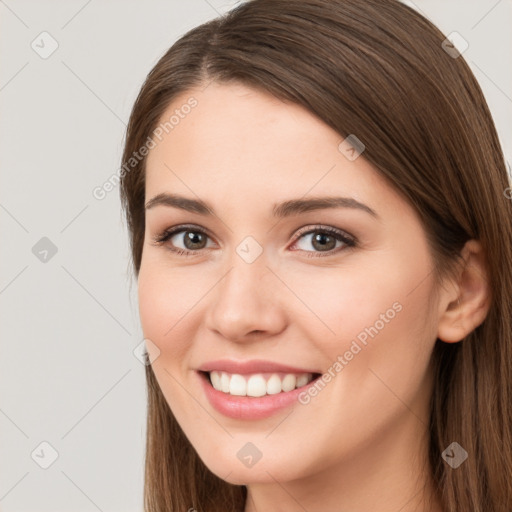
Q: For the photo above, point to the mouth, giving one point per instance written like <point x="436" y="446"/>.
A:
<point x="242" y="406"/>
<point x="257" y="384"/>
<point x="254" y="389"/>
<point x="275" y="392"/>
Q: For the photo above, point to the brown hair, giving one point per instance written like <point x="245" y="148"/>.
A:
<point x="376" y="69"/>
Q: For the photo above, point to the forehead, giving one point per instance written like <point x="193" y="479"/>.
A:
<point x="238" y="139"/>
<point x="242" y="123"/>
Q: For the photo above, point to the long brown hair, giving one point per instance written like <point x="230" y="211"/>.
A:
<point x="379" y="70"/>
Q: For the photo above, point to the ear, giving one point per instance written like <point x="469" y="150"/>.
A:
<point x="465" y="301"/>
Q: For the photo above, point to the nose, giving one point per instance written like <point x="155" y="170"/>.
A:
<point x="247" y="302"/>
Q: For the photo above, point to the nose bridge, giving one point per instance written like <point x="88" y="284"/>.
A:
<point x="245" y="299"/>
<point x="247" y="265"/>
<point x="246" y="279"/>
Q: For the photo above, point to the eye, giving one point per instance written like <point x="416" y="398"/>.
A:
<point x="325" y="239"/>
<point x="191" y="237"/>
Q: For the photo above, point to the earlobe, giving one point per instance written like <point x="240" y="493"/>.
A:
<point x="464" y="304"/>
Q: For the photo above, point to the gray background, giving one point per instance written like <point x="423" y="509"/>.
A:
<point x="69" y="326"/>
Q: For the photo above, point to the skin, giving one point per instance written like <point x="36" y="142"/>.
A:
<point x="361" y="443"/>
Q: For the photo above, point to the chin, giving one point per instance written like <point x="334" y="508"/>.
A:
<point x="263" y="471"/>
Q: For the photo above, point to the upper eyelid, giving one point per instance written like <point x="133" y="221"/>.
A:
<point x="319" y="227"/>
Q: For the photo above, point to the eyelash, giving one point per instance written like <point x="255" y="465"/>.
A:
<point x="339" y="235"/>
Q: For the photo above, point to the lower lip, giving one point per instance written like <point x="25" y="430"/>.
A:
<point x="249" y="408"/>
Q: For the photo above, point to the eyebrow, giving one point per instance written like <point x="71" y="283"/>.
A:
<point x="280" y="210"/>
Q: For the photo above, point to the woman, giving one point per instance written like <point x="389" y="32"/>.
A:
<point x="315" y="196"/>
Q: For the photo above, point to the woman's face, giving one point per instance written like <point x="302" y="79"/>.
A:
<point x="262" y="282"/>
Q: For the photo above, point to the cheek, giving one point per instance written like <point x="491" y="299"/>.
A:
<point x="374" y="333"/>
<point x="385" y="335"/>
<point x="166" y="307"/>
<point x="376" y="314"/>
<point x="341" y="302"/>
<point x="166" y="302"/>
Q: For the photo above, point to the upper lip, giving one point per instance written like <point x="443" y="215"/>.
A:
<point x="252" y="366"/>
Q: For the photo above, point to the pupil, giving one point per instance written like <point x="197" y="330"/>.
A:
<point x="193" y="238"/>
<point x="321" y="239"/>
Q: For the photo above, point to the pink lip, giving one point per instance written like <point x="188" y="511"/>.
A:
<point x="253" y="366"/>
<point x="246" y="407"/>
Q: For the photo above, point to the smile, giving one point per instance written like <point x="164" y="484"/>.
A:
<point x="271" y="392"/>
<point x="258" y="384"/>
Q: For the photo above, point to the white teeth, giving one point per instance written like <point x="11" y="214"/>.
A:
<point x="216" y="380"/>
<point x="224" y="382"/>
<point x="257" y="384"/>
<point x="289" y="382"/>
<point x="274" y="385"/>
<point x="238" y="385"/>
<point x="302" y="380"/>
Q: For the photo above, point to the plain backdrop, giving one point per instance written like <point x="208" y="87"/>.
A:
<point x="72" y="388"/>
